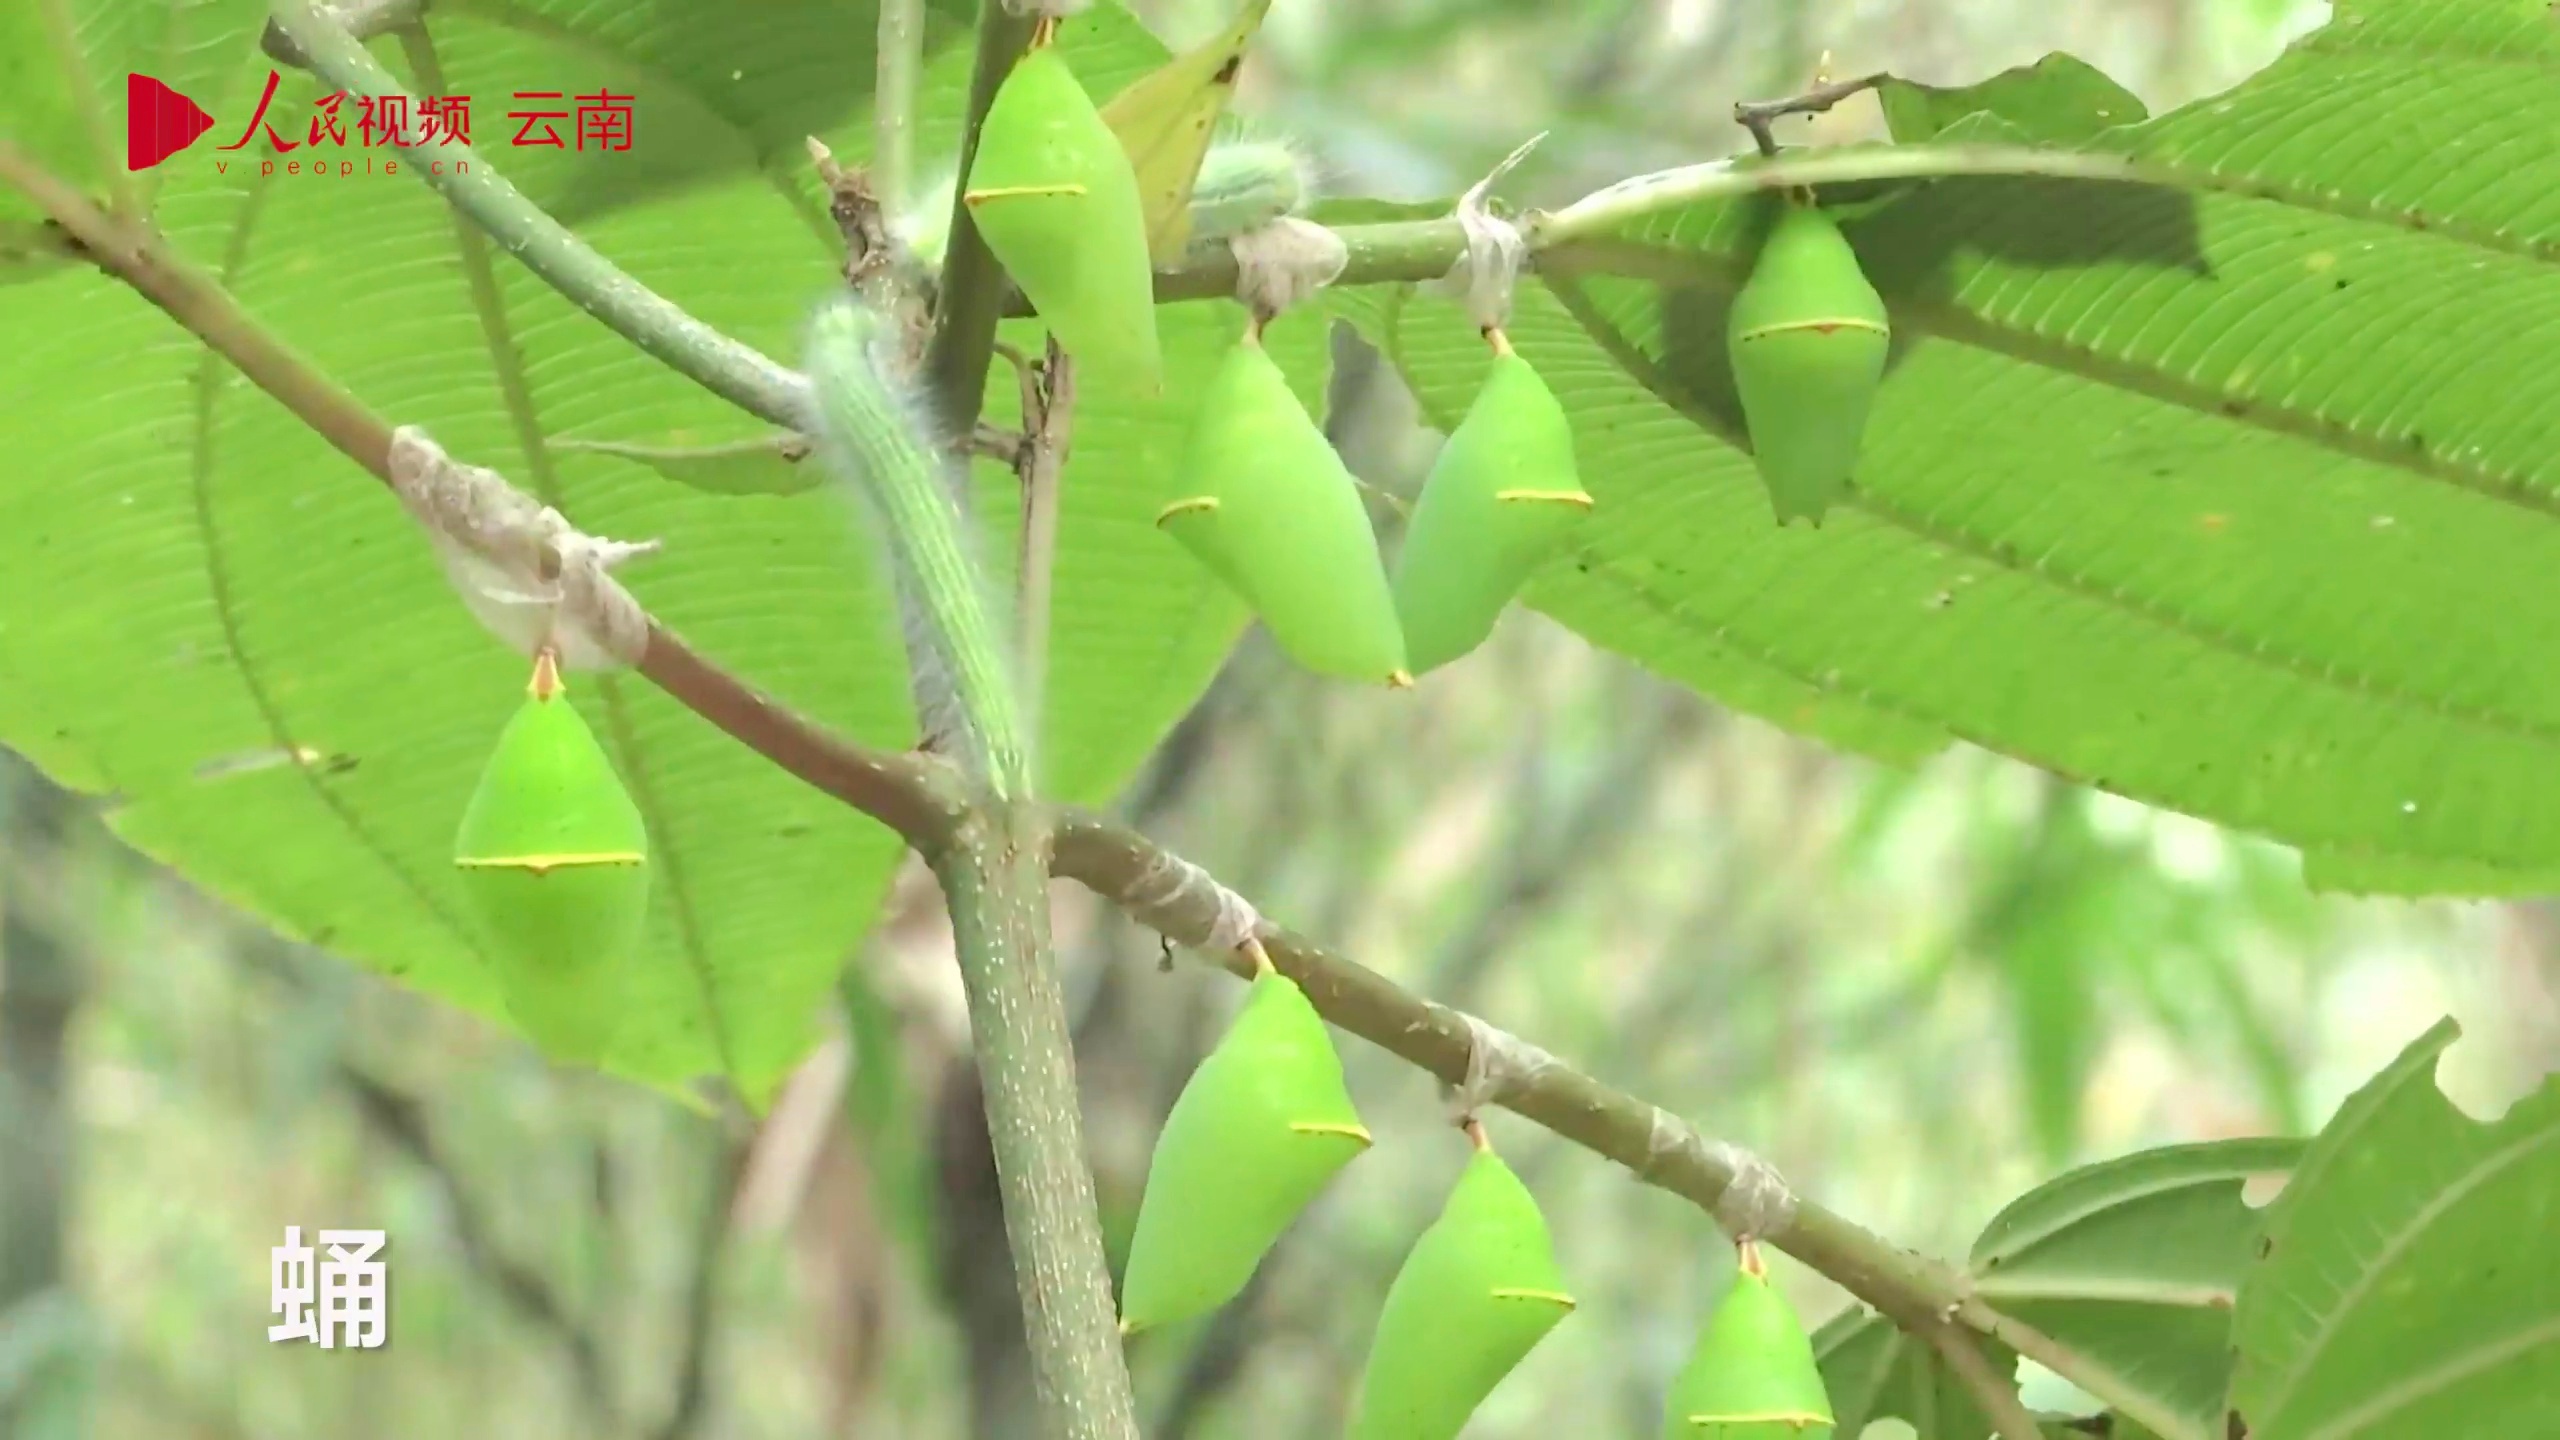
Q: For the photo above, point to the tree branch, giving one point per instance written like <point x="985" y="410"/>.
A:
<point x="995" y="882"/>
<point x="1758" y="116"/>
<point x="1165" y="892"/>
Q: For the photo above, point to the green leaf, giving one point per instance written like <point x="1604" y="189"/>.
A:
<point x="2240" y="499"/>
<point x="188" y="576"/>
<point x="2059" y="99"/>
<point x="2407" y="1287"/>
<point x="1874" y="1371"/>
<point x="2132" y="1263"/>
<point x="63" y="65"/>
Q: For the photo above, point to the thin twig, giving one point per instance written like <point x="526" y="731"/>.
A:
<point x="973" y="285"/>
<point x="1757" y="116"/>
<point x="1046" y="435"/>
<point x="1998" y="1396"/>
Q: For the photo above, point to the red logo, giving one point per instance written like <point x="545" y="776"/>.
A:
<point x="158" y="122"/>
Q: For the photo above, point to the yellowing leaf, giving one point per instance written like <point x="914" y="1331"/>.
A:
<point x="1165" y="120"/>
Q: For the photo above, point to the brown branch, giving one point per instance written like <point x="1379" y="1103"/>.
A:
<point x="1128" y="869"/>
<point x="1757" y="116"/>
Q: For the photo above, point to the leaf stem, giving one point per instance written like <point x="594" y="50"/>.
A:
<point x="893" y="101"/>
<point x="729" y="368"/>
<point x="1043" y="456"/>
<point x="973" y="285"/>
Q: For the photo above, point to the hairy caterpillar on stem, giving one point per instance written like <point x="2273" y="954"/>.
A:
<point x="875" y="432"/>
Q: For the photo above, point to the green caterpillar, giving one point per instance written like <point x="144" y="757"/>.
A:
<point x="1283" y="524"/>
<point x="1499" y="497"/>
<point x="1259" y="1130"/>
<point x="1808" y="338"/>
<point x="1052" y="191"/>
<point x="872" y="432"/>
<point x="555" y="862"/>
<point x="1752" y="1375"/>
<point x="1245" y="183"/>
<point x="1477" y="1293"/>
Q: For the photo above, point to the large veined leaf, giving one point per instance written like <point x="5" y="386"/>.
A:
<point x="2407" y="1287"/>
<point x="209" y="616"/>
<point x="2239" y="495"/>
<point x="2132" y="1263"/>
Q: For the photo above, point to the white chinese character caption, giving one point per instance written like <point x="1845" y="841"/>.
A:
<point x="346" y="1304"/>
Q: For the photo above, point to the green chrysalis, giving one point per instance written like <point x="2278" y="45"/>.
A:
<point x="1498" y="499"/>
<point x="1752" y="1375"/>
<point x="1056" y="199"/>
<point x="1808" y="338"/>
<point x="1261" y="1127"/>
<point x="1244" y="181"/>
<point x="554" y="858"/>
<point x="1280" y="520"/>
<point x="1478" y="1292"/>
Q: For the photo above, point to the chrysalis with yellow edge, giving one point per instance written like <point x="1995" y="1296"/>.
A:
<point x="1052" y="191"/>
<point x="1752" y="1375"/>
<point x="1279" y="519"/>
<point x="1477" y="1293"/>
<point x="554" y="859"/>
<point x="1500" y="496"/>
<point x="1808" y="338"/>
<point x="1259" y="1130"/>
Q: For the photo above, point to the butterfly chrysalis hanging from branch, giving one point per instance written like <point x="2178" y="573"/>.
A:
<point x="1503" y="493"/>
<point x="1808" y="338"/>
<point x="1053" y="192"/>
<point x="1277" y="516"/>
